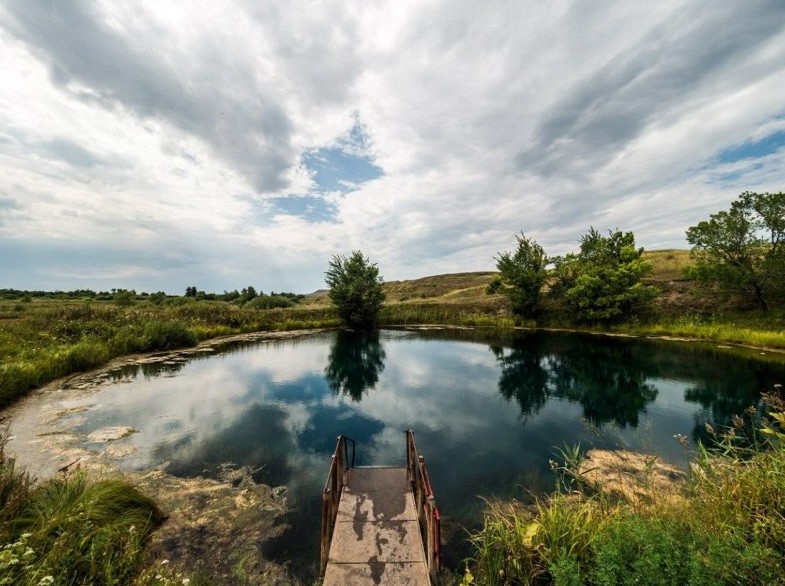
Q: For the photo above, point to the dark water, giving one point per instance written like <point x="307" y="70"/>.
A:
<point x="488" y="410"/>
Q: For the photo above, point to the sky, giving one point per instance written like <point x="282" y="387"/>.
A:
<point x="157" y="145"/>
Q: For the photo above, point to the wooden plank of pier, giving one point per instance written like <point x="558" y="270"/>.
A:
<point x="377" y="537"/>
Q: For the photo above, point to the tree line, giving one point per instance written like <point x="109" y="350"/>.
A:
<point x="737" y="253"/>
<point x="247" y="296"/>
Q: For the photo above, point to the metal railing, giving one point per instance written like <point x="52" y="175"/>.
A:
<point x="336" y="480"/>
<point x="424" y="500"/>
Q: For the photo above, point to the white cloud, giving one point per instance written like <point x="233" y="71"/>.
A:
<point x="144" y="147"/>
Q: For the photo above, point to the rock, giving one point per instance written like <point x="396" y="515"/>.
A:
<point x="110" y="434"/>
<point x="638" y="478"/>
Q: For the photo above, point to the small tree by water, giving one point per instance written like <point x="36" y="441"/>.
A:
<point x="741" y="252"/>
<point x="522" y="274"/>
<point x="355" y="289"/>
<point x="603" y="282"/>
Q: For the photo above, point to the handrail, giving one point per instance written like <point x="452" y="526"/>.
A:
<point x="427" y="511"/>
<point x="331" y="496"/>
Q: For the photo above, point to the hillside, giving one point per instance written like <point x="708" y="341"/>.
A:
<point x="456" y="287"/>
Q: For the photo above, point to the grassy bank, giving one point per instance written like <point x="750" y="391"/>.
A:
<point x="46" y="339"/>
<point x="733" y="327"/>
<point x="725" y="526"/>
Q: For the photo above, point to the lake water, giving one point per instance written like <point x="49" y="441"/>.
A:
<point x="488" y="409"/>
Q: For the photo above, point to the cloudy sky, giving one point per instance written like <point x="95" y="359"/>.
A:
<point x="224" y="143"/>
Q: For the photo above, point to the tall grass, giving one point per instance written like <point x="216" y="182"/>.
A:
<point x="71" y="530"/>
<point x="728" y="529"/>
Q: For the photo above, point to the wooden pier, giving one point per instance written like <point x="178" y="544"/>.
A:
<point x="380" y="525"/>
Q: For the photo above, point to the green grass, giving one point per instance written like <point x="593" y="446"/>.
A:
<point x="729" y="527"/>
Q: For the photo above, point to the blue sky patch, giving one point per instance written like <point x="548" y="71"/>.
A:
<point x="334" y="169"/>
<point x="314" y="208"/>
<point x="754" y="149"/>
<point x="344" y="166"/>
<point x="337" y="169"/>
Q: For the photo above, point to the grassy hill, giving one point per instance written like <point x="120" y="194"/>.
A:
<point x="465" y="287"/>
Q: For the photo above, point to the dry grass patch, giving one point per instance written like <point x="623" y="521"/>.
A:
<point x="638" y="479"/>
<point x="668" y="264"/>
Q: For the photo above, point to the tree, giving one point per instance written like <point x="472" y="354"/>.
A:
<point x="355" y="289"/>
<point x="248" y="294"/>
<point x="522" y="275"/>
<point x="741" y="251"/>
<point x="602" y="283"/>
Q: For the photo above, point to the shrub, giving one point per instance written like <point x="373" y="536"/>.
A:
<point x="637" y="550"/>
<point x="602" y="283"/>
<point x="522" y="275"/>
<point x="166" y="335"/>
<point x="124" y="297"/>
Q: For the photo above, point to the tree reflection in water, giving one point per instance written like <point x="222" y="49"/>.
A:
<point x="523" y="376"/>
<point x="609" y="380"/>
<point x="356" y="360"/>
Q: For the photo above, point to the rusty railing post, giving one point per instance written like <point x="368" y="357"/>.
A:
<point x="336" y="480"/>
<point x="420" y="487"/>
<point x="326" y="514"/>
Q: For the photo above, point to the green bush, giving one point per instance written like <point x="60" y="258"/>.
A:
<point x="124" y="298"/>
<point x="731" y="559"/>
<point x="603" y="282"/>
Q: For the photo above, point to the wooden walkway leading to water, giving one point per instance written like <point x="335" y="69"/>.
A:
<point x="380" y="525"/>
<point x="376" y="539"/>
